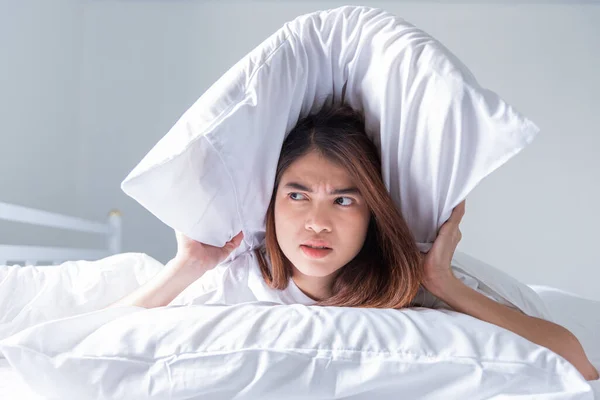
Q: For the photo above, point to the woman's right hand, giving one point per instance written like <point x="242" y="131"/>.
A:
<point x="192" y="260"/>
<point x="200" y="257"/>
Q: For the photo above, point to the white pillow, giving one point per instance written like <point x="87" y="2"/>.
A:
<point x="31" y="295"/>
<point x="500" y="286"/>
<point x="264" y="351"/>
<point x="438" y="131"/>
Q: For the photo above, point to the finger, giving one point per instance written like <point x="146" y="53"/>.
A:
<point x="453" y="221"/>
<point x="235" y="241"/>
<point x="458" y="212"/>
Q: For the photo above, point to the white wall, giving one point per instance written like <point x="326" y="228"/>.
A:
<point x="40" y="62"/>
<point x="145" y="62"/>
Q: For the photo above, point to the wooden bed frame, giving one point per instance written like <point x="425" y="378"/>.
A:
<point x="31" y="255"/>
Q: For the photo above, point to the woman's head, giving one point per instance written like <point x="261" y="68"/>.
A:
<point x="317" y="205"/>
<point x="329" y="193"/>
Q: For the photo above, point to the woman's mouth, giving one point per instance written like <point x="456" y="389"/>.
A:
<point x="315" y="252"/>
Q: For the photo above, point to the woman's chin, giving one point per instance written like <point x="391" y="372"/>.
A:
<point x="314" y="271"/>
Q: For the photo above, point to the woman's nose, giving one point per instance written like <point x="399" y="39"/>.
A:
<point x="318" y="220"/>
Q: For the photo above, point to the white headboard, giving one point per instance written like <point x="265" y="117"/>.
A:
<point x="31" y="255"/>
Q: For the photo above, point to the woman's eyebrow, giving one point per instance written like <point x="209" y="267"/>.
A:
<point x="299" y="186"/>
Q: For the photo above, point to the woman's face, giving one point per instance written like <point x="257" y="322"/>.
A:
<point x="317" y="205"/>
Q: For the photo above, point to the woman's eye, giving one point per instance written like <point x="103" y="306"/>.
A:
<point x="296" y="196"/>
<point x="344" y="201"/>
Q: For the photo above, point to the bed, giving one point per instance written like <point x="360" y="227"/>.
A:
<point x="579" y="315"/>
<point x="110" y="230"/>
<point x="11" y="386"/>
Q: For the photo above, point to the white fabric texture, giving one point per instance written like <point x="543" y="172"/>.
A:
<point x="31" y="295"/>
<point x="240" y="280"/>
<point x="263" y="346"/>
<point x="12" y="386"/>
<point x="270" y="351"/>
<point x="579" y="315"/>
<point x="438" y="131"/>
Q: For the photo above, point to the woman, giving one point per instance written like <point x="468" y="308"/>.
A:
<point x="335" y="238"/>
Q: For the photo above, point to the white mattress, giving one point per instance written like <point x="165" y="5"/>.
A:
<point x="580" y="316"/>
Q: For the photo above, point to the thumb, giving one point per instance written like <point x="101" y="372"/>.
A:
<point x="458" y="212"/>
<point x="234" y="242"/>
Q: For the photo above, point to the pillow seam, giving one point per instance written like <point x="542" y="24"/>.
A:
<point x="233" y="188"/>
<point x="207" y="132"/>
<point x="526" y="126"/>
<point x="448" y="359"/>
<point x="234" y="103"/>
<point x="218" y="119"/>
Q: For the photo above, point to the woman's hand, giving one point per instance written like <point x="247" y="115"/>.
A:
<point x="192" y="260"/>
<point x="442" y="283"/>
<point x="437" y="262"/>
<point x="197" y="258"/>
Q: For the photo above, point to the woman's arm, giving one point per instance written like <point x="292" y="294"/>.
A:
<point x="547" y="334"/>
<point x="442" y="283"/>
<point x="167" y="284"/>
<point x="192" y="261"/>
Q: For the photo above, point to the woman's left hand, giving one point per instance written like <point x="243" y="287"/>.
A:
<point x="436" y="262"/>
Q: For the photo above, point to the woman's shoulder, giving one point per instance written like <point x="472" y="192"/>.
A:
<point x="240" y="267"/>
<point x="240" y="279"/>
<point x="238" y="264"/>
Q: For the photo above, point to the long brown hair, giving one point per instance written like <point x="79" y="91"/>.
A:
<point x="387" y="272"/>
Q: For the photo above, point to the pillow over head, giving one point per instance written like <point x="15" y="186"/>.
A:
<point x="438" y="131"/>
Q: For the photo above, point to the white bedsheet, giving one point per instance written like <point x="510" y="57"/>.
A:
<point x="12" y="387"/>
<point x="580" y="316"/>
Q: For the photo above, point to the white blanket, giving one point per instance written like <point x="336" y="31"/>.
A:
<point x="31" y="295"/>
<point x="77" y="363"/>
